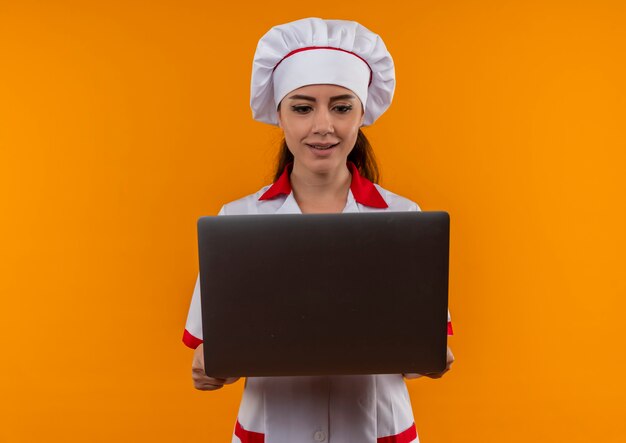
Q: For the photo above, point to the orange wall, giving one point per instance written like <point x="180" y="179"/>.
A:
<point x="121" y="122"/>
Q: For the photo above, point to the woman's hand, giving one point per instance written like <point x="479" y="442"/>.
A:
<point x="449" y="361"/>
<point x="202" y="381"/>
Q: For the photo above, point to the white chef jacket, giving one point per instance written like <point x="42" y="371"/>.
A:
<point x="333" y="409"/>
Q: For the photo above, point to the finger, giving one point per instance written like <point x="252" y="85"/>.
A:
<point x="203" y="378"/>
<point x="437" y="374"/>
<point x="208" y="387"/>
<point x="412" y="375"/>
<point x="200" y="373"/>
<point x="216" y="381"/>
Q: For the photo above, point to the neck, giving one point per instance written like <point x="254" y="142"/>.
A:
<point x="328" y="189"/>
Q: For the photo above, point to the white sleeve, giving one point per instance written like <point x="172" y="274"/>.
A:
<point x="192" y="336"/>
<point x="193" y="328"/>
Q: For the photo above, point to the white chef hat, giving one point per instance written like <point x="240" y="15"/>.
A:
<point x="316" y="51"/>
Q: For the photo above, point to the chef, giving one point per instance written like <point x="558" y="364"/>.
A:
<point x="320" y="81"/>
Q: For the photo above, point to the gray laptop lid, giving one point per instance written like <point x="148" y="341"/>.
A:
<point x="314" y="294"/>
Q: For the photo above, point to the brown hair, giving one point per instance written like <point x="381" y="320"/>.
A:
<point x="362" y="155"/>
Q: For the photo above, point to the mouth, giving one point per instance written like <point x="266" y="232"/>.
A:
<point x="322" y="146"/>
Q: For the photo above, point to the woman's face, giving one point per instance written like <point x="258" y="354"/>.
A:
<point x="321" y="124"/>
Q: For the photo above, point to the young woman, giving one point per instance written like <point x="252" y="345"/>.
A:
<point x="319" y="81"/>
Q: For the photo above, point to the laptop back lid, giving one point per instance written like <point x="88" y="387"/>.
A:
<point x="314" y="294"/>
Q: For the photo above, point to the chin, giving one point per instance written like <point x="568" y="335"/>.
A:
<point x="324" y="165"/>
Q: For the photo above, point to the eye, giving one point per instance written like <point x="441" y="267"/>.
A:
<point x="343" y="109"/>
<point x="301" y="109"/>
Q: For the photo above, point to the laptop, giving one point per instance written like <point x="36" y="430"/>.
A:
<point x="321" y="294"/>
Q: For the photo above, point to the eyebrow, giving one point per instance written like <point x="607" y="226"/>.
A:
<point x="312" y="99"/>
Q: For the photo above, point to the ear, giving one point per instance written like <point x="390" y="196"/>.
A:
<point x="278" y="117"/>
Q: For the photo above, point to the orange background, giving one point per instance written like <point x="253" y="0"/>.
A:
<point x="121" y="122"/>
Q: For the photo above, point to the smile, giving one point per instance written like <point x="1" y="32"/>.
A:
<point x="322" y="147"/>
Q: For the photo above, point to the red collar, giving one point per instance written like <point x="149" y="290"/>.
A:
<point x="363" y="190"/>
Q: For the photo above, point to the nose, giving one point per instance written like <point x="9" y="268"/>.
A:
<point x="323" y="122"/>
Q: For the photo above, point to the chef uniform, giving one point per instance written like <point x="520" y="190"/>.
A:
<point x="334" y="409"/>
